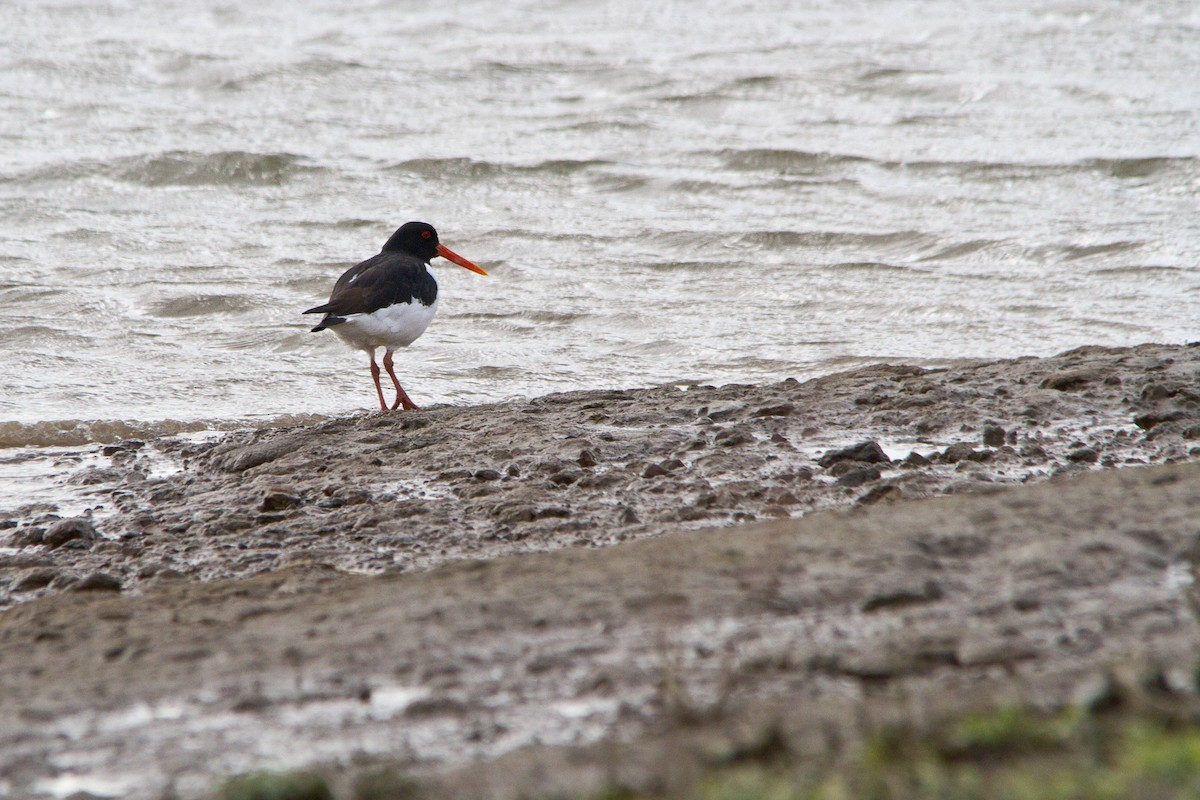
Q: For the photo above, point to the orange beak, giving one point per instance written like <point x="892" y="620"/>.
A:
<point x="450" y="255"/>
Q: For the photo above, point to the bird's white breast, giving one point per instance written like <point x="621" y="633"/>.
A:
<point x="397" y="325"/>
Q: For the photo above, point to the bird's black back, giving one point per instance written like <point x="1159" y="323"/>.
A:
<point x="383" y="280"/>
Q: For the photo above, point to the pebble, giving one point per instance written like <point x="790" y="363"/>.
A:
<point x="993" y="435"/>
<point x="97" y="582"/>
<point x="66" y="530"/>
<point x="277" y="501"/>
<point x="857" y="477"/>
<point x="868" y="452"/>
<point x="34" y="578"/>
<point x="958" y="451"/>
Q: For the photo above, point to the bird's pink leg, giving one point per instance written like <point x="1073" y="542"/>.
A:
<point x="375" y="377"/>
<point x="402" y="398"/>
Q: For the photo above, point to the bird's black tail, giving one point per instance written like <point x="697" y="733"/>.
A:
<point x="325" y="323"/>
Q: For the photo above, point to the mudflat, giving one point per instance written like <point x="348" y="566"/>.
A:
<point x="462" y="592"/>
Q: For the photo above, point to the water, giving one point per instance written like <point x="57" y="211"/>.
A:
<point x="701" y="191"/>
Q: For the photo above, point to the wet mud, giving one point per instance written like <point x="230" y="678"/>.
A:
<point x="438" y="589"/>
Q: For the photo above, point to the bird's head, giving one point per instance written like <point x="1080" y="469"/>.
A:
<point x="421" y="240"/>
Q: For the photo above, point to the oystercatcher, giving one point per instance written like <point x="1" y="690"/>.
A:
<point x="389" y="300"/>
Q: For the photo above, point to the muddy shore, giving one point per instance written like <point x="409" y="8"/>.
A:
<point x="286" y="596"/>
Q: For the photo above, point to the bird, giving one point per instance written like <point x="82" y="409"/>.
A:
<point x="389" y="300"/>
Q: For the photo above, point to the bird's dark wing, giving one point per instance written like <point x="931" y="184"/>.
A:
<point x="378" y="282"/>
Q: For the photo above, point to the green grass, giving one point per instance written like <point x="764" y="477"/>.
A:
<point x="275" y="786"/>
<point x="1009" y="754"/>
<point x="1130" y="750"/>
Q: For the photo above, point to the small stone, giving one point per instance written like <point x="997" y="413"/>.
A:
<point x="857" y="477"/>
<point x="842" y="467"/>
<point x="565" y="478"/>
<point x="775" y="411"/>
<point x="732" y="438"/>
<point x="628" y="516"/>
<point x="36" y="578"/>
<point x="1084" y="455"/>
<point x="993" y="435"/>
<point x="653" y="471"/>
<point x="1072" y="379"/>
<point x="868" y="452"/>
<point x="277" y="501"/>
<point x="915" y="459"/>
<point x="512" y="515"/>
<point x="903" y="596"/>
<point x="586" y="459"/>
<point x="1148" y="421"/>
<point x="882" y="492"/>
<point x="486" y="475"/>
<point x="66" y="530"/>
<point x="671" y="464"/>
<point x="1152" y="392"/>
<point x="958" y="451"/>
<point x="28" y="537"/>
<point x="97" y="582"/>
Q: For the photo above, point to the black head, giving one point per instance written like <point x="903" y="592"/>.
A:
<point x="414" y="238"/>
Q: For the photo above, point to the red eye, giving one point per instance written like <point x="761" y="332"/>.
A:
<point x="425" y="234"/>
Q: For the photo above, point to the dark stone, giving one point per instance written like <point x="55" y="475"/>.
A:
<point x="586" y="459"/>
<point x="66" y="530"/>
<point x="916" y="459"/>
<point x="882" y="492"/>
<point x="1155" y="391"/>
<point x="903" y="596"/>
<point x="868" y="452"/>
<point x="993" y="435"/>
<point x="28" y="537"/>
<point x="783" y="497"/>
<point x="1084" y="455"/>
<point x="775" y="411"/>
<point x="35" y="578"/>
<point x="486" y="475"/>
<point x="653" y="471"/>
<point x="512" y="515"/>
<point x="565" y="478"/>
<point x="97" y="582"/>
<point x="857" y="477"/>
<point x="1072" y="379"/>
<point x="1150" y="420"/>
<point x="732" y="438"/>
<point x="553" y="512"/>
<point x="671" y="464"/>
<point x="277" y="501"/>
<point x="959" y="451"/>
<point x="842" y="467"/>
<point x="728" y="412"/>
<point x="238" y="459"/>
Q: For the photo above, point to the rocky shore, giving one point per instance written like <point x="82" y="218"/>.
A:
<point x="424" y="588"/>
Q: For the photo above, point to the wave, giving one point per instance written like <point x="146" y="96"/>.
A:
<point x="898" y="241"/>
<point x="792" y="162"/>
<point x="76" y="432"/>
<point x="177" y="168"/>
<point x="235" y="167"/>
<point x="804" y="162"/>
<point x="463" y="167"/>
<point x="202" y="305"/>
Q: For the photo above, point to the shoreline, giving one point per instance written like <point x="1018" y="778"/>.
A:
<point x="366" y="572"/>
